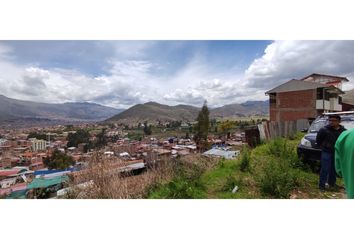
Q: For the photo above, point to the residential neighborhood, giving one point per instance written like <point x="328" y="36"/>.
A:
<point x="22" y="158"/>
<point x="25" y="154"/>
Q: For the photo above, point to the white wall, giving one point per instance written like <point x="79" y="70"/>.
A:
<point x="319" y="104"/>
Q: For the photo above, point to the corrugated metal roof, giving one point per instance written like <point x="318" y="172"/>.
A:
<point x="44" y="183"/>
<point x="222" y="153"/>
<point x="298" y="85"/>
<point x="9" y="172"/>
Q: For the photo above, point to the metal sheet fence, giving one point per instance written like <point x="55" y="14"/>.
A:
<point x="270" y="130"/>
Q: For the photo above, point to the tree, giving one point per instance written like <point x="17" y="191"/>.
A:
<point x="58" y="160"/>
<point x="101" y="139"/>
<point x="42" y="136"/>
<point x="225" y="127"/>
<point x="147" y="129"/>
<point x="81" y="136"/>
<point x="202" y="126"/>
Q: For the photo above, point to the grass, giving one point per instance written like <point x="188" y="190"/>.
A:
<point x="221" y="181"/>
<point x="271" y="170"/>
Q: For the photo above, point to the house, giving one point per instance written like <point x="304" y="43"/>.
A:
<point x="305" y="98"/>
<point x="348" y="101"/>
<point x="335" y="81"/>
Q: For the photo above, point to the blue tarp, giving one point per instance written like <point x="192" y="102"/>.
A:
<point x="44" y="172"/>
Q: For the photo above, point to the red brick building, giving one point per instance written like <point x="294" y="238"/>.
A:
<point x="305" y="98"/>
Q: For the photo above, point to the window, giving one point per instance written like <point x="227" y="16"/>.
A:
<point x="317" y="125"/>
<point x="319" y="93"/>
<point x="273" y="98"/>
<point x="326" y="96"/>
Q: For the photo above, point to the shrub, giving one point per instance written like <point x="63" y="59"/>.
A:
<point x="184" y="189"/>
<point x="245" y="160"/>
<point x="277" y="178"/>
<point x="221" y="163"/>
<point x="231" y="182"/>
<point x="281" y="148"/>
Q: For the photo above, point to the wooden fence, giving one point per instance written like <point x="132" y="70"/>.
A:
<point x="270" y="130"/>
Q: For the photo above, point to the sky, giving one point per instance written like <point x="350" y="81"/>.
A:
<point x="121" y="74"/>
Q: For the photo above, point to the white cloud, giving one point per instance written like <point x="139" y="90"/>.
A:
<point x="197" y="82"/>
<point x="126" y="85"/>
<point x="216" y="92"/>
<point x="128" y="82"/>
<point x="32" y="82"/>
<point x="285" y="60"/>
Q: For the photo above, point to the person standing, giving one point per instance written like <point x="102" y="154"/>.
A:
<point x="344" y="160"/>
<point x="326" y="139"/>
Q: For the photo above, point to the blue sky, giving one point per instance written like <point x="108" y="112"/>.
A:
<point x="123" y="73"/>
<point x="91" y="57"/>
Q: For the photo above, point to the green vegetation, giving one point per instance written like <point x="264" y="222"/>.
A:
<point x="271" y="170"/>
<point x="41" y="136"/>
<point x="81" y="136"/>
<point x="245" y="160"/>
<point x="58" y="160"/>
<point x="147" y="128"/>
<point x="135" y="135"/>
<point x="101" y="139"/>
<point x="202" y="126"/>
<point x="225" y="127"/>
<point x="185" y="184"/>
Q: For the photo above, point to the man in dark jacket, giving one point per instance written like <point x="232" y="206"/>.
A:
<point x="326" y="139"/>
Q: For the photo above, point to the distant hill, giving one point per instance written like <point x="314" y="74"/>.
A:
<point x="153" y="111"/>
<point x="229" y="111"/>
<point x="256" y="107"/>
<point x="12" y="110"/>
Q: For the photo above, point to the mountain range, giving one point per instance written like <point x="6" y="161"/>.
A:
<point x="152" y="111"/>
<point x="14" y="110"/>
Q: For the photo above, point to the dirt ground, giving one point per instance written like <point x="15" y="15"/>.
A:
<point x="340" y="194"/>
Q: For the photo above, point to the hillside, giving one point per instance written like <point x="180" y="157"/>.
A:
<point x="153" y="111"/>
<point x="228" y="111"/>
<point x="13" y="109"/>
<point x="256" y="107"/>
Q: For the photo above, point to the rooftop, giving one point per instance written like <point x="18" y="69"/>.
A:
<point x="325" y="75"/>
<point x="299" y="85"/>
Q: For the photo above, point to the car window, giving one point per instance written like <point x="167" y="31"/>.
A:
<point x="317" y="125"/>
